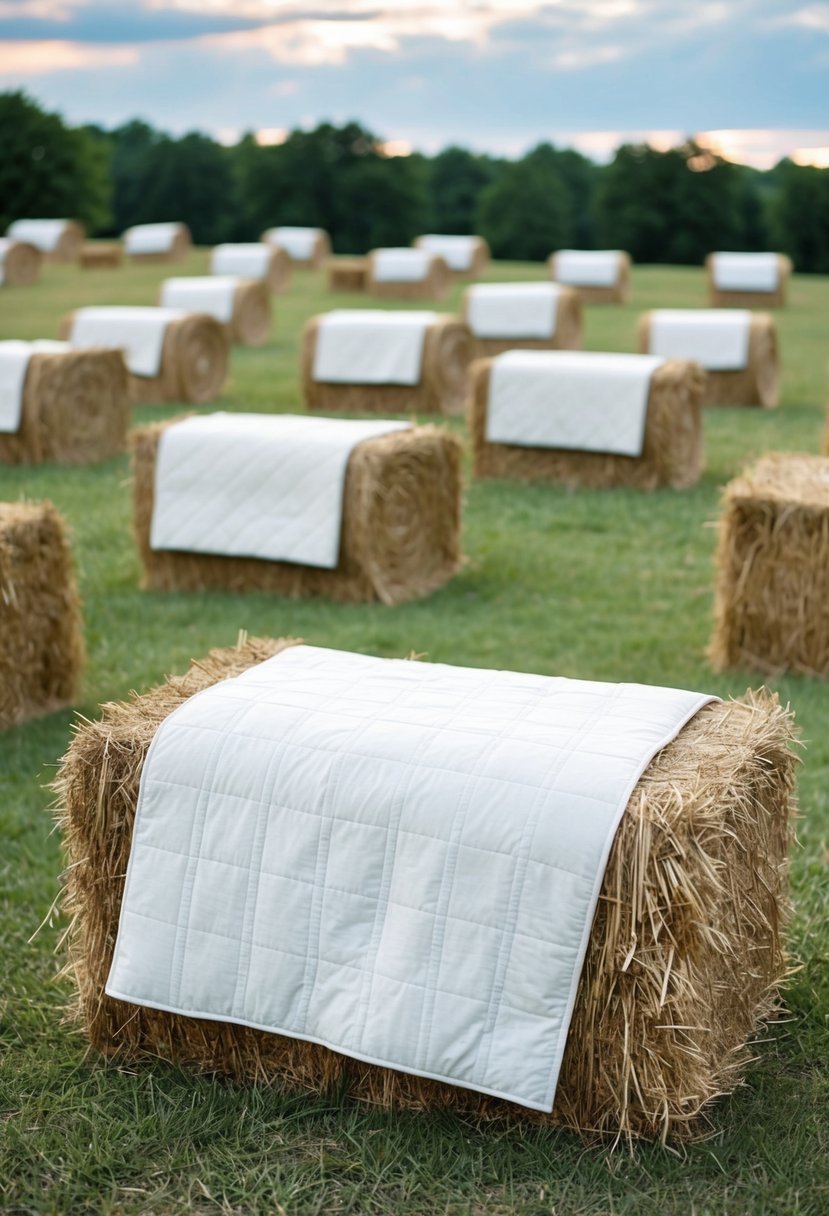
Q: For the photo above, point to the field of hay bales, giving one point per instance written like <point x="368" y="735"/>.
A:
<point x="607" y="585"/>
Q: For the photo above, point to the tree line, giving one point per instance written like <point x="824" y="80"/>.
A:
<point x="662" y="206"/>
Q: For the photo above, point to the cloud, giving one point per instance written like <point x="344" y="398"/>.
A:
<point x="99" y="21"/>
<point x="812" y="17"/>
<point x="21" y="60"/>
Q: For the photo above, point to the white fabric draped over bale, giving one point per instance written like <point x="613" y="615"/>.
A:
<point x="43" y="234"/>
<point x="398" y="860"/>
<point x="457" y="251"/>
<point x="371" y="346"/>
<point x="151" y="238"/>
<point x="588" y="267"/>
<point x="298" y="243"/>
<point x="138" y="331"/>
<point x="717" y="338"/>
<point x="14" y="364"/>
<point x="249" y="261"/>
<point x="401" y="265"/>
<point x="745" y="271"/>
<point x="5" y="245"/>
<point x="256" y="485"/>
<point x="576" y="400"/>
<point x="512" y="310"/>
<point x="212" y="294"/>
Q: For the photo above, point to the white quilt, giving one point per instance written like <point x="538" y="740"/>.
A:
<point x="576" y="400"/>
<point x="14" y="364"/>
<point x="746" y="271"/>
<point x="150" y="238"/>
<point x="251" y="261"/>
<point x="44" y="234"/>
<point x="587" y="267"/>
<point x="400" y="265"/>
<point x="214" y="294"/>
<point x="5" y="245"/>
<point x="138" y="331"/>
<point x="717" y="338"/>
<point x="512" y="310"/>
<point x="371" y="346"/>
<point x="456" y="251"/>
<point x="298" y="243"/>
<point x="398" y="860"/>
<point x="256" y="485"/>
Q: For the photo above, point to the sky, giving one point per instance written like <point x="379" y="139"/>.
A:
<point x="751" y="77"/>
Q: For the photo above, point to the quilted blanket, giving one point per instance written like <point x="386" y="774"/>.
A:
<point x="456" y="251"/>
<point x="371" y="346"/>
<point x="398" y="860"/>
<point x="249" y="261"/>
<point x="512" y="310"/>
<point x="256" y="485"/>
<point x="717" y="338"/>
<point x="577" y="400"/>
<point x="401" y="265"/>
<point x="746" y="271"/>
<point x="43" y="234"/>
<point x="14" y="364"/>
<point x="298" y="243"/>
<point x="150" y="238"/>
<point x="214" y="294"/>
<point x="138" y="331"/>
<point x="587" y="267"/>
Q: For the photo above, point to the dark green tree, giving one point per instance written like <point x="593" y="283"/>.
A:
<point x="456" y="179"/>
<point x="800" y="215"/>
<point x="525" y="213"/>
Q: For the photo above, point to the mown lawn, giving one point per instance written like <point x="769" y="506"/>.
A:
<point x="601" y="585"/>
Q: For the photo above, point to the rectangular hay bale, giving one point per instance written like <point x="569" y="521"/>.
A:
<point x="717" y="298"/>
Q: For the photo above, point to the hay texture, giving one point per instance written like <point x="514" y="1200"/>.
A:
<point x="750" y="299"/>
<point x="194" y="361"/>
<point x="21" y="263"/>
<point x="347" y="274"/>
<point x="278" y="277"/>
<point x="434" y="286"/>
<point x="480" y="258"/>
<point x="771" y="608"/>
<point x="672" y="452"/>
<point x="758" y="383"/>
<point x="684" y="957"/>
<point x="400" y="527"/>
<point x="619" y="293"/>
<point x="75" y="410"/>
<point x="568" y="331"/>
<point x="176" y="251"/>
<point x="41" y="630"/>
<point x="447" y="353"/>
<point x="101" y="255"/>
<point x="319" y="256"/>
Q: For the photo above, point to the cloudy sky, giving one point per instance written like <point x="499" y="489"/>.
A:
<point x="497" y="75"/>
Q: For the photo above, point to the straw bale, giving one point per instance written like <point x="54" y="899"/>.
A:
<point x="480" y="259"/>
<point x="435" y="285"/>
<point x="772" y="582"/>
<point x="68" y="248"/>
<point x="320" y="255"/>
<point x="617" y="294"/>
<point x="750" y="299"/>
<point x="758" y="383"/>
<point x="21" y="265"/>
<point x="250" y="324"/>
<point x="685" y="954"/>
<point x="194" y="361"/>
<point x="347" y="274"/>
<point x="280" y="268"/>
<point x="178" y="250"/>
<point x="41" y="630"/>
<point x="101" y="255"/>
<point x="672" y="452"/>
<point x="76" y="410"/>
<point x="447" y="353"/>
<point x="400" y="527"/>
<point x="567" y="336"/>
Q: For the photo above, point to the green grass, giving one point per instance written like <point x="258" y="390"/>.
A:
<point x="600" y="585"/>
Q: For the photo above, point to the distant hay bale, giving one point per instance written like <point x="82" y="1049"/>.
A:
<point x="194" y="362"/>
<point x="58" y="240"/>
<point x="20" y="262"/>
<point x="758" y="383"/>
<point x="400" y="527"/>
<point x="253" y="260"/>
<point x="434" y="285"/>
<point x="347" y="274"/>
<point x="447" y="353"/>
<point x="157" y="242"/>
<point x="672" y="452"/>
<point x="308" y="251"/>
<point x="717" y="298"/>
<point x="617" y="292"/>
<point x="772" y="584"/>
<point x="466" y="256"/>
<point x="567" y="335"/>
<point x="684" y="957"/>
<point x="76" y="410"/>
<point x="101" y="255"/>
<point x="250" y="320"/>
<point x="41" y="633"/>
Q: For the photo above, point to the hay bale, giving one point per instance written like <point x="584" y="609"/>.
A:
<point x="758" y="383"/>
<point x="466" y="256"/>
<point x="319" y="245"/>
<point x="672" y="452"/>
<point x="194" y="361"/>
<point x="250" y="319"/>
<point x="616" y="293"/>
<point x="253" y="261"/>
<point x="101" y="255"/>
<point x="75" y="410"/>
<point x="685" y="952"/>
<point x="20" y="262"/>
<point x="58" y="240"/>
<point x="434" y="285"/>
<point x="41" y="630"/>
<point x="400" y="527"/>
<point x="717" y="298"/>
<point x="347" y="274"/>
<point x="447" y="353"/>
<point x="567" y="335"/>
<point x="157" y="242"/>
<point x="772" y="584"/>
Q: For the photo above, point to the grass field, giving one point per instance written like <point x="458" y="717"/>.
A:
<point x="600" y="585"/>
